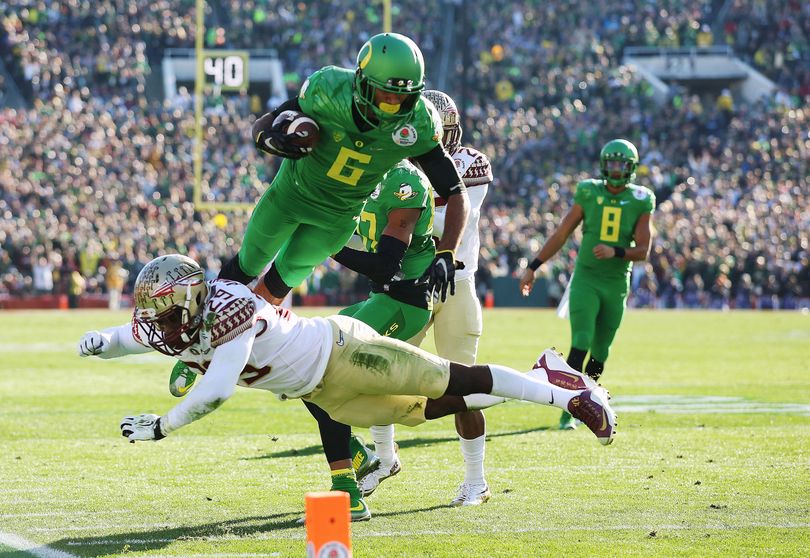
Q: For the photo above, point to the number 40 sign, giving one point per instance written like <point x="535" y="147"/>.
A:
<point x="227" y="69"/>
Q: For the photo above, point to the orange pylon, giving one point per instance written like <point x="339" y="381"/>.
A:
<point x="328" y="524"/>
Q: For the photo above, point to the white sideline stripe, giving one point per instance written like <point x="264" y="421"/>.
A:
<point x="102" y="527"/>
<point x="59" y="513"/>
<point x="295" y="533"/>
<point x="38" y="550"/>
<point x="707" y="404"/>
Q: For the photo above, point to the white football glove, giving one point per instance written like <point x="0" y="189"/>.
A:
<point x="142" y="428"/>
<point x="93" y="343"/>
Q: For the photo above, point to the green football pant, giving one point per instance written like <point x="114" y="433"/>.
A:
<point x="293" y="232"/>
<point x="596" y="309"/>
<point x="389" y="317"/>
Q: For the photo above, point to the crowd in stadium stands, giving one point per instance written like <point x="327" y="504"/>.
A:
<point x="96" y="180"/>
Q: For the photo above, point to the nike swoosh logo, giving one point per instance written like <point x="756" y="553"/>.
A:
<point x="183" y="390"/>
<point x="340" y="342"/>
<point x="358" y="507"/>
<point x="604" y="421"/>
<point x="552" y="399"/>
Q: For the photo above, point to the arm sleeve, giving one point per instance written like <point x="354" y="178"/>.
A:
<point x="122" y="342"/>
<point x="438" y="166"/>
<point x="380" y="266"/>
<point x="216" y="386"/>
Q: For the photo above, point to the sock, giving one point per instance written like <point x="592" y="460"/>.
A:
<point x="473" y="453"/>
<point x="383" y="437"/>
<point x="509" y="383"/>
<point x="575" y="358"/>
<point x="345" y="481"/>
<point x="594" y="368"/>
<point x="478" y="401"/>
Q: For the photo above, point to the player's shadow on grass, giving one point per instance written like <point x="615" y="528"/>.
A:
<point x="413" y="442"/>
<point x="155" y="539"/>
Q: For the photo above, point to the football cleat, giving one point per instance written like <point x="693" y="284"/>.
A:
<point x="371" y="481"/>
<point x="364" y="461"/>
<point x="560" y="374"/>
<point x="181" y="379"/>
<point x="359" y="510"/>
<point x="471" y="494"/>
<point x="567" y="422"/>
<point x="592" y="408"/>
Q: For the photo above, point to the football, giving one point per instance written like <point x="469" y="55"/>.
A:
<point x="305" y="129"/>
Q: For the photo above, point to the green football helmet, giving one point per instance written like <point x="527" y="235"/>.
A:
<point x="618" y="150"/>
<point x="170" y="294"/>
<point x="392" y="63"/>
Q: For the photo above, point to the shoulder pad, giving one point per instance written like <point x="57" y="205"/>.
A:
<point x="479" y="171"/>
<point x="233" y="308"/>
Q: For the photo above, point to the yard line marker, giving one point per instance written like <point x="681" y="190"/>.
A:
<point x="39" y="550"/>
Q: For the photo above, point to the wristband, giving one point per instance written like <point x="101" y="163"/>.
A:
<point x="619" y="252"/>
<point x="535" y="264"/>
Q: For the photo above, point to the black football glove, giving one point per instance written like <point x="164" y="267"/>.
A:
<point x="441" y="273"/>
<point x="269" y="138"/>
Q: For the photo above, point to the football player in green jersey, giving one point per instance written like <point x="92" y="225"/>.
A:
<point x="616" y="231"/>
<point x="400" y="303"/>
<point x="400" y="210"/>
<point x="370" y="119"/>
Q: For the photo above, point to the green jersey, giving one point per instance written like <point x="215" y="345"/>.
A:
<point x="347" y="164"/>
<point x="403" y="187"/>
<point x="609" y="219"/>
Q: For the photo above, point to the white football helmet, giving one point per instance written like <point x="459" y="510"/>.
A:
<point x="450" y="118"/>
<point x="170" y="294"/>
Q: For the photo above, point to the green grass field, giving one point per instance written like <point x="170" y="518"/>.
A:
<point x="712" y="457"/>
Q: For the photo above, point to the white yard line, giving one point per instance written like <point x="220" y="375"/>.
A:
<point x="59" y="513"/>
<point x="40" y="551"/>
<point x="102" y="527"/>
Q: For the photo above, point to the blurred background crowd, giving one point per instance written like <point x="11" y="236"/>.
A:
<point x="96" y="177"/>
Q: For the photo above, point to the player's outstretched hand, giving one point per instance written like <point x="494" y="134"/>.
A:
<point x="142" y="428"/>
<point x="92" y="343"/>
<point x="269" y="137"/>
<point x="527" y="282"/>
<point x="441" y="274"/>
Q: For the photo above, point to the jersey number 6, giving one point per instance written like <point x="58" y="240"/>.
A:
<point x="342" y="171"/>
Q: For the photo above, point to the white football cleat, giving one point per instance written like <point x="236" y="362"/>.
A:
<point x="559" y="373"/>
<point x="471" y="494"/>
<point x="371" y="481"/>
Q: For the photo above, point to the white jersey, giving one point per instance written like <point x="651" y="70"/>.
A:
<point x="250" y="343"/>
<point x="476" y="171"/>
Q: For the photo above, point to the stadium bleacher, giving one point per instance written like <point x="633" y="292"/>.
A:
<point x="95" y="170"/>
